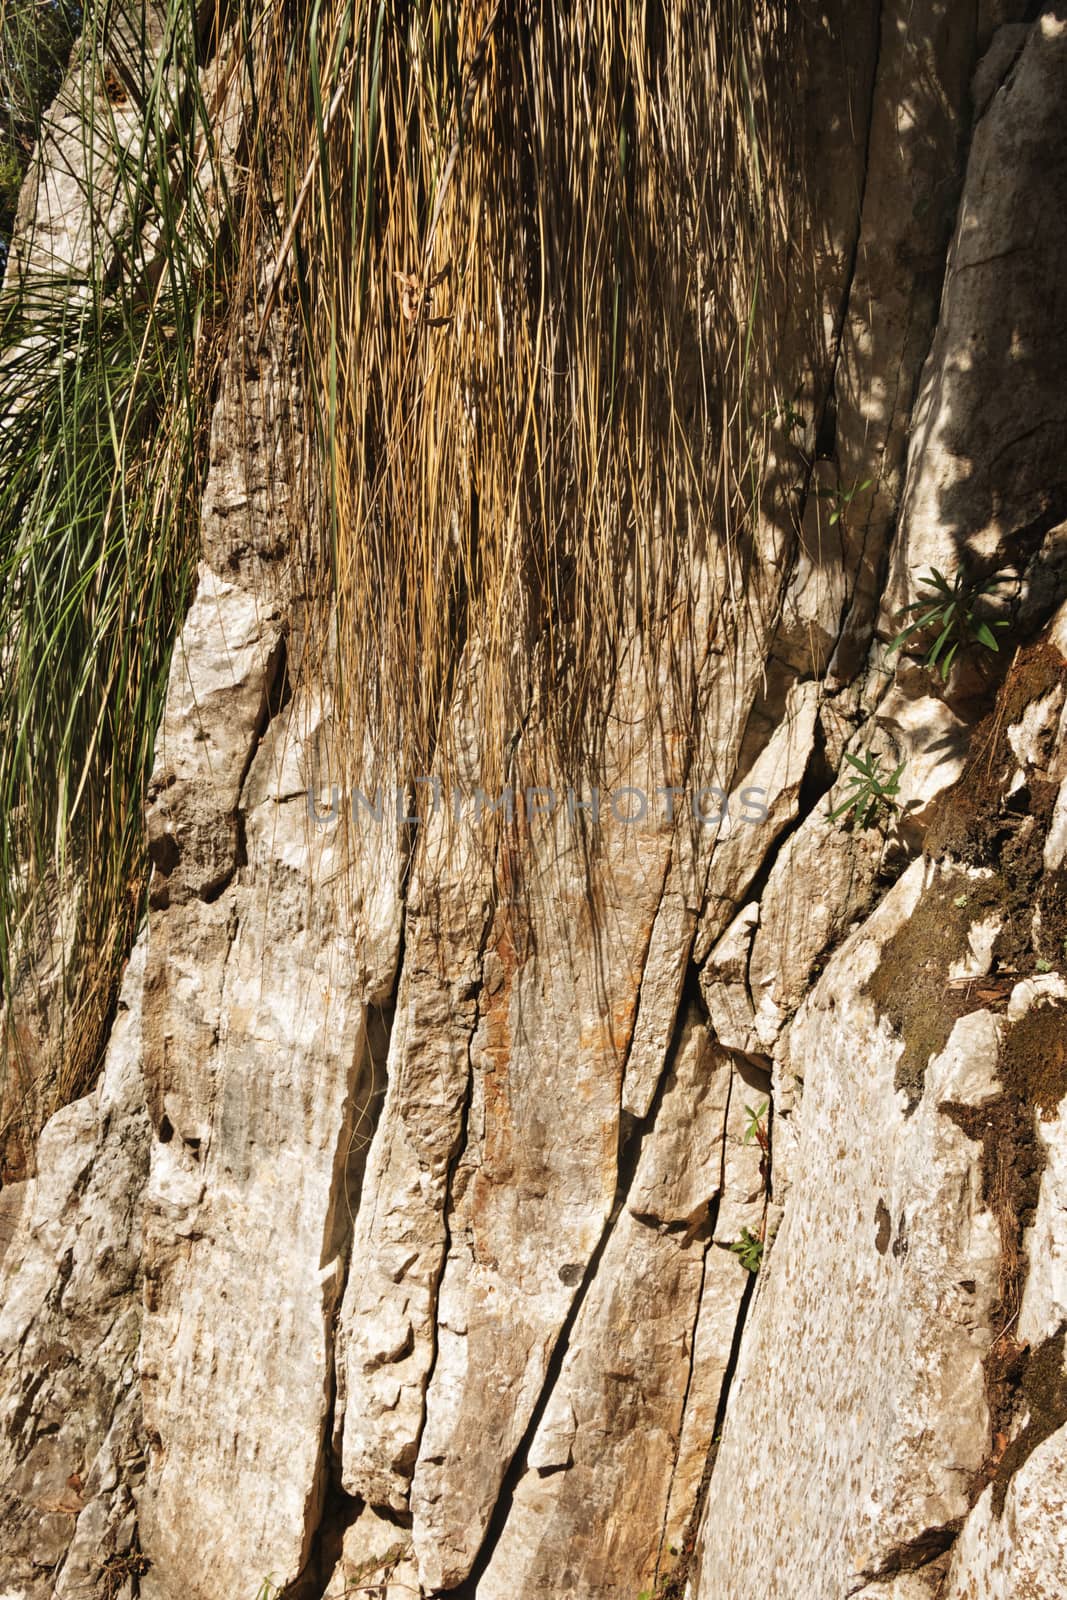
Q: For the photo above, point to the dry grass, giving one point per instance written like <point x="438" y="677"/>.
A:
<point x="530" y="245"/>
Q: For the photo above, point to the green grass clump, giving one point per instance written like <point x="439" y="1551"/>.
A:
<point x="106" y="375"/>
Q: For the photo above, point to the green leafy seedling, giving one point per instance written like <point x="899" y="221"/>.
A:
<point x="871" y="788"/>
<point x="842" y="498"/>
<point x="755" y="1126"/>
<point x="950" y="609"/>
<point x="748" y="1250"/>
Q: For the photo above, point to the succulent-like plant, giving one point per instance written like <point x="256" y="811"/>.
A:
<point x="748" y="1250"/>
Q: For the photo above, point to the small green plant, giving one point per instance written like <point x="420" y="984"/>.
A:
<point x="1043" y="965"/>
<point x="960" y="901"/>
<point x="950" y="608"/>
<point x="755" y="1126"/>
<point x="842" y="498"/>
<point x="748" y="1250"/>
<point x="871" y="788"/>
<point x="667" y="1586"/>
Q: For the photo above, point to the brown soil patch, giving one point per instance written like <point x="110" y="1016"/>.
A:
<point x="978" y="823"/>
<point x="911" y="984"/>
<point x="1033" y="1070"/>
<point x="1043" y="1387"/>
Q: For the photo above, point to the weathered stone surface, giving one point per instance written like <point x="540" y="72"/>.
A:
<point x="918" y="121"/>
<point x="924" y="1584"/>
<point x="75" y="201"/>
<point x="988" y="444"/>
<point x="724" y="984"/>
<point x="1023" y="1551"/>
<point x="822" y="881"/>
<point x="880" y="1285"/>
<point x="772" y="785"/>
<point x="814" y="603"/>
<point x="217" y="705"/>
<point x="725" y="1284"/>
<point x="387" y="1334"/>
<point x="930" y="741"/>
<point x="994" y="67"/>
<point x="376" y="1557"/>
<point x="257" y="977"/>
<point x="71" y="1444"/>
<point x="536" y="1180"/>
<point x="609" y="1436"/>
<point x="269" y="964"/>
<point x="436" y="1116"/>
<point x="1044" y="1307"/>
<point x="1014" y="1541"/>
<point x="247" y="1210"/>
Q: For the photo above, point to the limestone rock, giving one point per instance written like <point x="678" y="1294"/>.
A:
<point x="886" y="1248"/>
<point x="1023" y="1551"/>
<point x="376" y="1557"/>
<point x="624" y="1380"/>
<point x="418" y="1139"/>
<point x="71" y="1442"/>
<point x="976" y="480"/>
<point x="724" y="984"/>
<point x="917" y="127"/>
<point x="821" y="882"/>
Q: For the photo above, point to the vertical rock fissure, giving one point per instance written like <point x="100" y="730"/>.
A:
<point x="633" y="1132"/>
<point x="689" y="1542"/>
<point x="713" y="1217"/>
<point x="711" y="1224"/>
<point x="850" y="275"/>
<point x="457" y="1155"/>
<point x="277" y="693"/>
<point x="356" y="1135"/>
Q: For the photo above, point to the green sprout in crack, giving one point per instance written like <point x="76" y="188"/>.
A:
<point x="950" y="608"/>
<point x="842" y="498"/>
<point x="748" y="1250"/>
<point x="871" y="789"/>
<point x="755" y="1124"/>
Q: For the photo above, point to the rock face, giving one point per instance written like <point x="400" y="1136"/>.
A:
<point x="70" y="1322"/>
<point x="408" y="1242"/>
